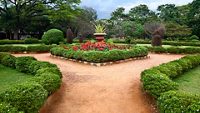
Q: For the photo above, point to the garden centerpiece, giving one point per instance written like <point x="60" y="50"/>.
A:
<point x="99" y="32"/>
<point x="99" y="52"/>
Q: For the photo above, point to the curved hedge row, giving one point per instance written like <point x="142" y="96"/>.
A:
<point x="21" y="49"/>
<point x="175" y="50"/>
<point x="158" y="82"/>
<point x="100" y="56"/>
<point x="28" y="97"/>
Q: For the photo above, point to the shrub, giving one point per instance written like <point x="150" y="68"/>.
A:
<point x="178" y="102"/>
<point x="22" y="63"/>
<point x="7" y="108"/>
<point x="156" y="83"/>
<point x="27" y="97"/>
<point x="2" y="55"/>
<point x="40" y="48"/>
<point x="31" y="41"/>
<point x="8" y="48"/>
<point x="50" y="81"/>
<point x="54" y="70"/>
<point x="9" y="61"/>
<point x="36" y="65"/>
<point x="53" y="36"/>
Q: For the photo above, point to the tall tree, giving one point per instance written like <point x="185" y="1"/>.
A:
<point x="168" y="12"/>
<point x="20" y="13"/>
<point x="142" y="14"/>
<point x="194" y="17"/>
<point x="119" y="14"/>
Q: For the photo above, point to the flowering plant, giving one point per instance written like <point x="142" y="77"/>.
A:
<point x="97" y="46"/>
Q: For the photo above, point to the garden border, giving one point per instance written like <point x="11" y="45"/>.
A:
<point x="101" y="64"/>
<point x="32" y="94"/>
<point x="158" y="82"/>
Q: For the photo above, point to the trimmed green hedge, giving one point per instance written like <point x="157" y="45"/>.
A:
<point x="21" y="49"/>
<point x="28" y="97"/>
<point x="172" y="43"/>
<point x="26" y="41"/>
<point x="158" y="82"/>
<point x="100" y="56"/>
<point x="175" y="50"/>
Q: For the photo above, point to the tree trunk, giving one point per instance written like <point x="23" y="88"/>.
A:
<point x="16" y="35"/>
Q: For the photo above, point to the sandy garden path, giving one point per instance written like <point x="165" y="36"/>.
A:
<point x="108" y="89"/>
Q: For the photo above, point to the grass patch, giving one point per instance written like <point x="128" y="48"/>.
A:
<point x="190" y="81"/>
<point x="9" y="77"/>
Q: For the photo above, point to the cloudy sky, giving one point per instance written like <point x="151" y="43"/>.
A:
<point x="105" y="7"/>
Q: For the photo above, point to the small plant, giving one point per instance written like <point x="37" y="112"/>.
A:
<point x="100" y="28"/>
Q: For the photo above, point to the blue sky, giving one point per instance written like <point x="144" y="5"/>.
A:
<point x="105" y="7"/>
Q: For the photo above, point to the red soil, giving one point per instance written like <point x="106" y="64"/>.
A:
<point x="108" y="89"/>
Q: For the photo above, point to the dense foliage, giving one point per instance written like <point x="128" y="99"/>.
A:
<point x="158" y="82"/>
<point x="29" y="96"/>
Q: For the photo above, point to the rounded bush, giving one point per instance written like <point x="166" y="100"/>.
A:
<point x="36" y="65"/>
<point x="50" y="81"/>
<point x="53" y="36"/>
<point x="9" y="61"/>
<point x="54" y="70"/>
<point x="157" y="83"/>
<point x="27" y="97"/>
<point x="22" y="63"/>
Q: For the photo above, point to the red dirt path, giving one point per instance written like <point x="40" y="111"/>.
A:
<point x="108" y="89"/>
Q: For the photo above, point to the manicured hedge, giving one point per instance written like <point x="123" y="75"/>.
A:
<point x="100" y="56"/>
<point x="28" y="97"/>
<point x="158" y="82"/>
<point x="175" y="50"/>
<point x="172" y="43"/>
<point x="26" y="41"/>
<point x="21" y="49"/>
<point x="2" y="42"/>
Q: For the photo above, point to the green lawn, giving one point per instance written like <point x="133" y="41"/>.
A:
<point x="10" y="77"/>
<point x="190" y="81"/>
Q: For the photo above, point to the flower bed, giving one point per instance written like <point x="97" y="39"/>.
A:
<point x="99" y="53"/>
<point x="158" y="82"/>
<point x="28" y="97"/>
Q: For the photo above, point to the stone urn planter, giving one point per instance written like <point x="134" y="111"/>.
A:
<point x="99" y="36"/>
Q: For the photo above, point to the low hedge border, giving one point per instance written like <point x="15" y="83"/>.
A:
<point x="29" y="96"/>
<point x="26" y="41"/>
<point x="158" y="82"/>
<point x="172" y="43"/>
<point x="28" y="49"/>
<point x="101" y="64"/>
<point x="174" y="50"/>
<point x="100" y="56"/>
